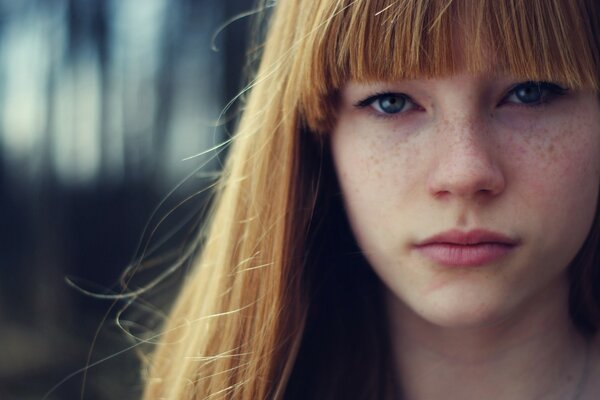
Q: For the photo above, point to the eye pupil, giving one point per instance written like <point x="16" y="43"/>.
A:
<point x="529" y="93"/>
<point x="392" y="104"/>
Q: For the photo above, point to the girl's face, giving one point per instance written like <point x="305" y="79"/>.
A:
<point x="469" y="194"/>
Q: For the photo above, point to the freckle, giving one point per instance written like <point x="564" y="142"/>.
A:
<point x="372" y="165"/>
<point x="539" y="147"/>
<point x="374" y="160"/>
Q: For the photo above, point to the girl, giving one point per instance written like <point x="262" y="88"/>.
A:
<point x="408" y="211"/>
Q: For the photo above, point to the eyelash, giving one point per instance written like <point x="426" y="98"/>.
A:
<point x="548" y="90"/>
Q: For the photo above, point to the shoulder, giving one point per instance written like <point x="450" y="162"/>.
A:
<point x="592" y="383"/>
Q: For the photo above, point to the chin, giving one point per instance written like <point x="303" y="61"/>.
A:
<point x="463" y="310"/>
<point x="464" y="318"/>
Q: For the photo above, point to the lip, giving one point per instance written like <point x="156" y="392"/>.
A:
<point x="456" y="248"/>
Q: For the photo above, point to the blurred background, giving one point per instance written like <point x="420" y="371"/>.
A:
<point x="106" y="109"/>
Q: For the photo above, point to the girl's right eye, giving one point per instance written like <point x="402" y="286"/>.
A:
<point x="388" y="103"/>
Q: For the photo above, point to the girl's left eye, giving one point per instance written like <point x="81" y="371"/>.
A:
<point x="388" y="103"/>
<point x="533" y="93"/>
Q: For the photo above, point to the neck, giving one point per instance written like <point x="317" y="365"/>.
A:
<point x="535" y="354"/>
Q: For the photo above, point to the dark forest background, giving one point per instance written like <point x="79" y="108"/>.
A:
<point x="106" y="110"/>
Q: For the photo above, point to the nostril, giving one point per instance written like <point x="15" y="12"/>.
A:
<point x="485" y="191"/>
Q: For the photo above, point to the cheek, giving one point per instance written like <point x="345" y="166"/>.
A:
<point x="360" y="170"/>
<point x="556" y="178"/>
<point x="376" y="172"/>
<point x="562" y="167"/>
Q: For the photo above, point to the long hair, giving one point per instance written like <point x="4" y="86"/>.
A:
<point x="280" y="304"/>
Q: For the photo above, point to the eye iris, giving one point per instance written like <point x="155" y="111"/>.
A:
<point x="392" y="104"/>
<point x="529" y="93"/>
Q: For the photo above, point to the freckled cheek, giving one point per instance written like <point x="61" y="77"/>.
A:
<point x="563" y="170"/>
<point x="388" y="172"/>
<point x="375" y="172"/>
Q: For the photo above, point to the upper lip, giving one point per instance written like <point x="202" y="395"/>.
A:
<point x="471" y="237"/>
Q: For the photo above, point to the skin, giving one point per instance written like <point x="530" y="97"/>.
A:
<point x="465" y="154"/>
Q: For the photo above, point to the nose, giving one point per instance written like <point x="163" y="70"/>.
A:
<point x="467" y="162"/>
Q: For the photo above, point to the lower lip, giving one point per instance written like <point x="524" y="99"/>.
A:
<point x="457" y="255"/>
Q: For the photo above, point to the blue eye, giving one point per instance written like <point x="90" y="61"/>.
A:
<point x="387" y="103"/>
<point x="390" y="103"/>
<point x="533" y="93"/>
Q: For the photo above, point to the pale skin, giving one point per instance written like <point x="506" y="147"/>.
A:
<point x="466" y="152"/>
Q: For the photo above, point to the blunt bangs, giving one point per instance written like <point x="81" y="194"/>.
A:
<point x="388" y="40"/>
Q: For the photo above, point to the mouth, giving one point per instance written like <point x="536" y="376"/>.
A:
<point x="473" y="248"/>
